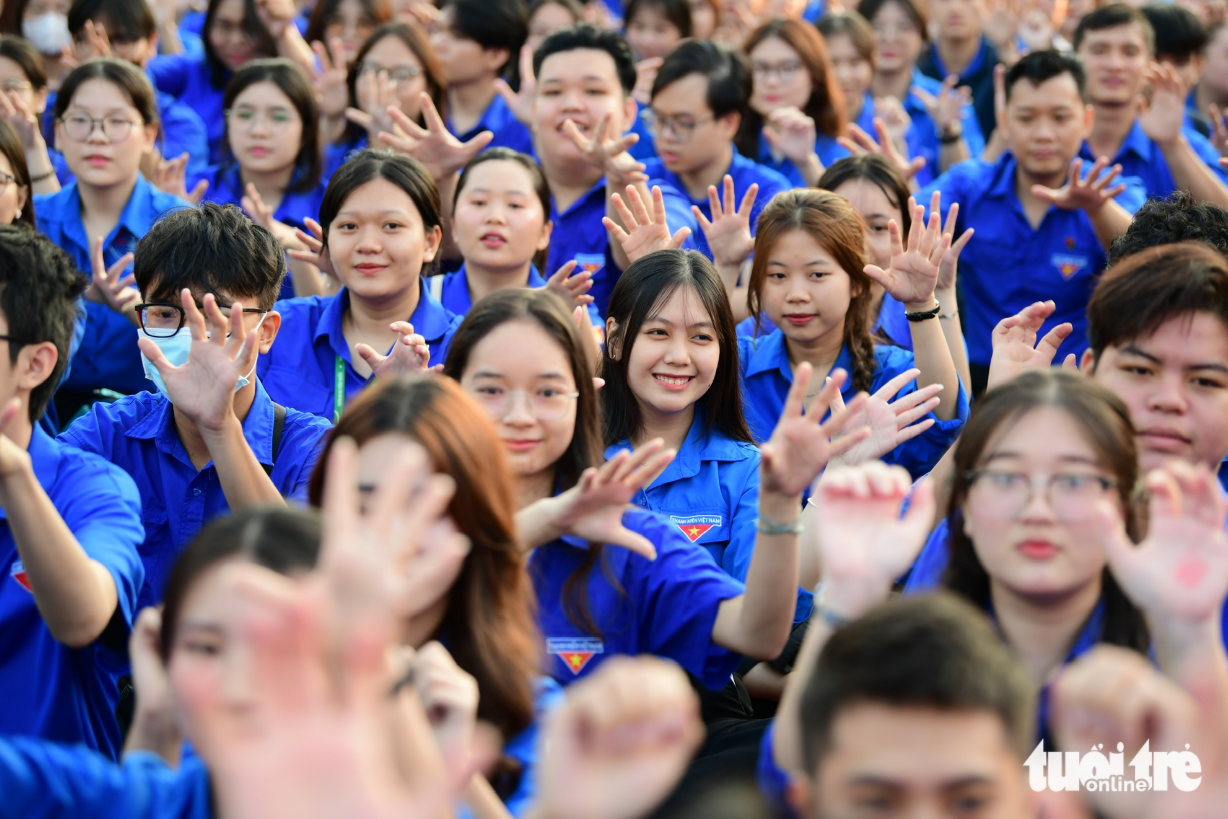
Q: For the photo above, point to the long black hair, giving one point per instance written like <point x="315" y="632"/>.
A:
<point x="641" y="292"/>
<point x="253" y="27"/>
<point x="293" y="81"/>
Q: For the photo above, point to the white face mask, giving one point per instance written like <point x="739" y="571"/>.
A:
<point x="176" y="349"/>
<point x="47" y="32"/>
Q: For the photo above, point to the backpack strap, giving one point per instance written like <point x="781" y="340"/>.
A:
<point x="279" y="425"/>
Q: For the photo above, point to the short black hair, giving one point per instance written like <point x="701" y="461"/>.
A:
<point x="39" y="289"/>
<point x="125" y="21"/>
<point x="1179" y="218"/>
<point x="1179" y="33"/>
<point x="1112" y="16"/>
<point x="492" y="24"/>
<point x="209" y="249"/>
<point x="587" y="36"/>
<point x="729" y="78"/>
<point x="678" y="12"/>
<point x="1143" y="291"/>
<point x="1041" y="66"/>
<point x="366" y="166"/>
<point x="927" y="651"/>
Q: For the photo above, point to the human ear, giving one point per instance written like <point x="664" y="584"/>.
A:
<point x="433" y="239"/>
<point x="35" y="364"/>
<point x="612" y="339"/>
<point x="268" y="331"/>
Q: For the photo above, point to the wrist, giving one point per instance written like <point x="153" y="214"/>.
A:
<point x="778" y="507"/>
<point x="19" y="475"/>
<point x="215" y="431"/>
<point x="922" y="306"/>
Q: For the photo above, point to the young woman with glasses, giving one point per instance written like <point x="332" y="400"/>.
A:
<point x="106" y="121"/>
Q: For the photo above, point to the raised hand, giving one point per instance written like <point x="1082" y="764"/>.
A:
<point x="203" y="387"/>
<point x="315" y="253"/>
<point x="859" y="142"/>
<point x="800" y="446"/>
<point x="728" y="232"/>
<point x="946" y="108"/>
<point x="896" y="121"/>
<point x="913" y="274"/>
<point x="109" y="285"/>
<point x="376" y="94"/>
<point x="434" y="146"/>
<point x="1089" y="193"/>
<point x="863" y="543"/>
<point x="276" y="15"/>
<point x="13" y="457"/>
<point x="1180" y="571"/>
<point x="262" y="214"/>
<point x="95" y="44"/>
<point x="1015" y="349"/>
<point x="645" y="76"/>
<point x="792" y="134"/>
<point x="890" y="422"/>
<point x="520" y="103"/>
<point x="950" y="262"/>
<point x="170" y="176"/>
<point x="329" y="79"/>
<point x="1163" y="113"/>
<point x="410" y="354"/>
<point x="14" y="111"/>
<point x="154" y="727"/>
<point x="572" y="288"/>
<point x="620" y="742"/>
<point x="608" y="151"/>
<point x="449" y="695"/>
<point x="647" y="231"/>
<point x="593" y="508"/>
<point x="1219" y="129"/>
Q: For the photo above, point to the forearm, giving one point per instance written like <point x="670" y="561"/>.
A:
<point x="169" y="41"/>
<point x="293" y="47"/>
<point x="757" y="624"/>
<point x="995" y="147"/>
<point x="307" y="279"/>
<point x="1184" y="649"/>
<point x="731" y="274"/>
<point x="812" y="170"/>
<point x="155" y="733"/>
<point x="1109" y="221"/>
<point x="933" y="359"/>
<point x="787" y="733"/>
<point x="38" y="162"/>
<point x="75" y="594"/>
<point x="535" y="524"/>
<point x="953" y="332"/>
<point x="482" y="800"/>
<point x="244" y="481"/>
<point x="1193" y="175"/>
<point x="952" y="153"/>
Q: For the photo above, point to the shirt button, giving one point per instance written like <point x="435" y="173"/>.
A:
<point x="196" y="491"/>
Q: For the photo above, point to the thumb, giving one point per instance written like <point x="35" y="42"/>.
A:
<point x="504" y="90"/>
<point x="1042" y="192"/>
<point x="879" y="275"/>
<point x="633" y="542"/>
<point x="155" y="356"/>
<point x="369" y="355"/>
<point x="9" y="412"/>
<point x="1071" y="363"/>
<point x="680" y="236"/>
<point x="359" y="118"/>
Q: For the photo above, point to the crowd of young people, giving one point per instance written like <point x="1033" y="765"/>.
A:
<point x="613" y="409"/>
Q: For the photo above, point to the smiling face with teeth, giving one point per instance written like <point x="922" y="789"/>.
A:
<point x="581" y="85"/>
<point x="499" y="222"/>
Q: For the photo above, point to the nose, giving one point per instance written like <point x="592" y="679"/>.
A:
<point x="518" y="412"/>
<point x="97" y="137"/>
<point x="369" y="240"/>
<point x="1038" y="508"/>
<point x="260" y="125"/>
<point x="1169" y="397"/>
<point x="677" y="352"/>
<point x="495" y="215"/>
<point x="572" y="101"/>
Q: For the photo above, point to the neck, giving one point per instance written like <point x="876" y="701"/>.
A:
<point x="958" y="54"/>
<point x="568" y="181"/>
<point x="102" y="207"/>
<point x="821" y="354"/>
<point x="891" y="84"/>
<point x="1041" y="630"/>
<point x="467" y="102"/>
<point x="271" y="185"/>
<point x="483" y="280"/>
<point x="697" y="181"/>
<point x="1024" y="182"/>
<point x="368" y="318"/>
<point x="1110" y="127"/>
<point x="529" y="489"/>
<point x="672" y="427"/>
<point x="190" y="435"/>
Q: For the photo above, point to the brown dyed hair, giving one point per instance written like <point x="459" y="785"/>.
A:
<point x="831" y="221"/>
<point x="854" y="26"/>
<point x="488" y="625"/>
<point x="1104" y="420"/>
<point x="826" y="104"/>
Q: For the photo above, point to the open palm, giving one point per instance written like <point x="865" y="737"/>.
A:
<point x="913" y="273"/>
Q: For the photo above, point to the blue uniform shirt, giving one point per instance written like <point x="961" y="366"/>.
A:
<point x="922" y="137"/>
<point x="1008" y="265"/>
<point x="452" y="291"/>
<point x="50" y="690"/>
<point x="524" y="747"/>
<point x="767" y="378"/>
<point x="666" y="606"/>
<point x="108" y="355"/>
<point x="499" y="120"/>
<point x="745" y="172"/>
<point x="189" y="79"/>
<point x="301" y="371"/>
<point x="579" y="235"/>
<point x="226" y="188"/>
<point x="827" y="148"/>
<point x="1141" y="158"/>
<point x="336" y="154"/>
<point x="42" y="780"/>
<point x="137" y="434"/>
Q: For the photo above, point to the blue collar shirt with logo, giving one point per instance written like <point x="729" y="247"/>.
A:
<point x="745" y="172"/>
<point x="137" y="433"/>
<point x="1009" y="265"/>
<point x="767" y="377"/>
<point x="1140" y="157"/>
<point x="108" y="355"/>
<point x="922" y="137"/>
<point x="579" y="235"/>
<point x="452" y="291"/>
<point x="300" y="370"/>
<point x="826" y="147"/>
<point x="49" y="690"/>
<point x="189" y="79"/>
<point x="665" y="607"/>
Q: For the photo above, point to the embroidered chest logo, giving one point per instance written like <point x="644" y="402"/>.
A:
<point x="1067" y="265"/>
<point x="590" y="262"/>
<point x="695" y="526"/>
<point x="18" y="573"/>
<point x="575" y="652"/>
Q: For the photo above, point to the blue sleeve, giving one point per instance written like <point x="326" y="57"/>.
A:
<point x="42" y="780"/>
<point x="524" y="746"/>
<point x="677" y="597"/>
<point x="184" y="132"/>
<point x="85" y="433"/>
<point x="1206" y="151"/>
<point x="742" y="534"/>
<point x="772" y="780"/>
<point x="927" y="569"/>
<point x="170" y="74"/>
<point x="301" y="450"/>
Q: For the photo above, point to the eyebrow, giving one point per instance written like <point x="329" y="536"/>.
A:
<point x="810" y="263"/>
<point x="197" y="626"/>
<point x="390" y="211"/>
<point x="1215" y="366"/>
<point x="662" y="320"/>
<point x="1074" y="459"/>
<point x="585" y="78"/>
<point x="493" y="374"/>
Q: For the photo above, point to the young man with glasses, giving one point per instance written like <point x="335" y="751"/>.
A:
<point x="698" y="100"/>
<point x="70" y="524"/>
<point x="210" y="439"/>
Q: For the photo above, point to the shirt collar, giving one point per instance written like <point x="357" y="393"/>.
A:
<point x="597" y="190"/>
<point x="698" y="447"/>
<point x="769" y="353"/>
<point x="1002" y="181"/>
<point x="455" y="295"/>
<point x="159" y="426"/>
<point x="328" y="326"/>
<point x="1138" y="143"/>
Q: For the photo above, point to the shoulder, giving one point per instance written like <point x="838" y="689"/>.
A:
<point x="163" y="202"/>
<point x="88" y="472"/>
<point x="959" y="180"/>
<point x="305" y="425"/>
<point x="104" y="421"/>
<point x="771" y="182"/>
<point x="892" y="359"/>
<point x="302" y="306"/>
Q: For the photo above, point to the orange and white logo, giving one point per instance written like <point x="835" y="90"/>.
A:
<point x="695" y="526"/>
<point x="1068" y="265"/>
<point x="575" y="652"/>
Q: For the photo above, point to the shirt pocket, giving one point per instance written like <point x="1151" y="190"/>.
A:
<point x="293" y="388"/>
<point x="154" y="550"/>
<point x="707" y="526"/>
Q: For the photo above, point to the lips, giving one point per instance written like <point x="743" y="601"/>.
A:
<point x="370" y="268"/>
<point x="1164" y="439"/>
<point x="800" y="319"/>
<point x="259" y="151"/>
<point x="97" y="159"/>
<point x="673" y="382"/>
<point x="493" y="240"/>
<point x="1037" y="549"/>
<point x="520" y="444"/>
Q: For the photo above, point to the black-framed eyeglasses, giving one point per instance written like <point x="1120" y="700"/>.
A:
<point x="400" y="73"/>
<point x="164" y="320"/>
<point x="682" y="129"/>
<point x="79" y="127"/>
<point x="15" y="340"/>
